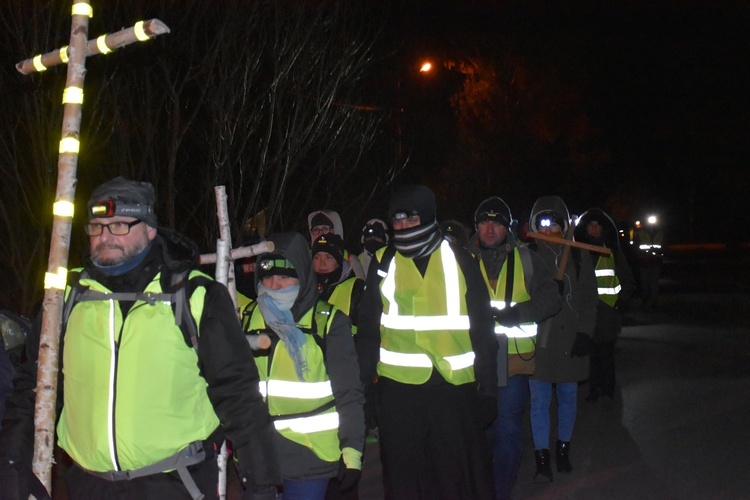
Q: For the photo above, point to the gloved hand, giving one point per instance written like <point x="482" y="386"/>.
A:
<point x="350" y="468"/>
<point x="260" y="493"/>
<point x="581" y="346"/>
<point x="485" y="410"/>
<point x="508" y="317"/>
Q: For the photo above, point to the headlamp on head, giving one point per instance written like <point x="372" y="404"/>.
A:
<point x="405" y="215"/>
<point x="548" y="219"/>
<point x="110" y="208"/>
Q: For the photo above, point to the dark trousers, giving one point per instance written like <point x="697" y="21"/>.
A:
<point x="506" y="434"/>
<point x="602" y="372"/>
<point x="84" y="486"/>
<point x="431" y="443"/>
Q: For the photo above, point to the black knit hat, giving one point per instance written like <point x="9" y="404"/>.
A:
<point x="413" y="199"/>
<point x="320" y="219"/>
<point x="332" y="244"/>
<point x="493" y="209"/>
<point x="124" y="197"/>
<point x="274" y="265"/>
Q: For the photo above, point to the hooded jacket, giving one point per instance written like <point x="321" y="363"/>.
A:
<point x="608" y="318"/>
<point x="231" y="382"/>
<point x="578" y="314"/>
<point x="297" y="461"/>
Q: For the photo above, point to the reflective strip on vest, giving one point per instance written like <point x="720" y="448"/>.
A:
<point x="457" y="362"/>
<point x="305" y="425"/>
<point x="297" y="390"/>
<point x="454" y="320"/>
<point x="525" y="330"/>
<point x="604" y="272"/>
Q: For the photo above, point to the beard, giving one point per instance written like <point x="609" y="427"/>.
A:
<point x="124" y="256"/>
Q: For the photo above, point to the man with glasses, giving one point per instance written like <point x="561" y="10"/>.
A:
<point x="145" y="406"/>
<point x="426" y="328"/>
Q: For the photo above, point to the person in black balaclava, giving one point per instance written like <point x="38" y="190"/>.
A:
<point x="427" y="330"/>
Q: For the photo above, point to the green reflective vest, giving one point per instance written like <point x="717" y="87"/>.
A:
<point x="524" y="335"/>
<point x="607" y="282"/>
<point x="302" y="410"/>
<point x="425" y="325"/>
<point x="133" y="393"/>
<point x="342" y="298"/>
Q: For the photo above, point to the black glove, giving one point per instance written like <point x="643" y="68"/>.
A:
<point x="581" y="346"/>
<point x="485" y="410"/>
<point x="508" y="317"/>
<point x="260" y="493"/>
<point x="350" y="468"/>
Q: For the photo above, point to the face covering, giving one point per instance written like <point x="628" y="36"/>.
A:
<point x="276" y="305"/>
<point x="418" y="241"/>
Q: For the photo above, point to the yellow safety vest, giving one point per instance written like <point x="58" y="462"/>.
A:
<point x="342" y="298"/>
<point x="425" y="323"/>
<point x="607" y="282"/>
<point x="523" y="335"/>
<point x="287" y="396"/>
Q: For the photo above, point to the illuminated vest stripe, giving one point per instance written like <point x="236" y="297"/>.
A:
<point x="124" y="406"/>
<point x="425" y="325"/>
<point x="523" y="335"/>
<point x="607" y="282"/>
<point x="285" y="394"/>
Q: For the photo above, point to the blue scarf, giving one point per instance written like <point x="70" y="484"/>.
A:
<point x="276" y="307"/>
<point x="124" y="267"/>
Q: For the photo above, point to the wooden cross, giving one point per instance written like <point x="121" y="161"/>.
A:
<point x="55" y="279"/>
<point x="567" y="243"/>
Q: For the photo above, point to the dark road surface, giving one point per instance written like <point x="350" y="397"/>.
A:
<point x="679" y="425"/>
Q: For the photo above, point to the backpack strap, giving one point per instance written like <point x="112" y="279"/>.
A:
<point x="180" y="299"/>
<point x="528" y="266"/>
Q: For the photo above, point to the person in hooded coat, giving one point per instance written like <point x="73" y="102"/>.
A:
<point x="328" y="221"/>
<point x="375" y="235"/>
<point x="309" y="375"/>
<point x="563" y="340"/>
<point x="616" y="287"/>
<point x="427" y="331"/>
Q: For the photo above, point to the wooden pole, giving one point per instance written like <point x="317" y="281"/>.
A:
<point x="55" y="278"/>
<point x="567" y="243"/>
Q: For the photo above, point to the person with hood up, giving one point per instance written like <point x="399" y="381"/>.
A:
<point x="374" y="237"/>
<point x="309" y="375"/>
<point x="562" y="361"/>
<point x="143" y="408"/>
<point x="616" y="286"/>
<point x="327" y="221"/>
<point x="523" y="292"/>
<point x="427" y="330"/>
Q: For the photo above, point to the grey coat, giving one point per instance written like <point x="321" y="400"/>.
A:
<point x="578" y="314"/>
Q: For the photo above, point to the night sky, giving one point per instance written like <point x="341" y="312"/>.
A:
<point x="636" y="107"/>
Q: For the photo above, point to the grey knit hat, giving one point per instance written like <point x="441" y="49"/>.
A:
<point x="126" y="198"/>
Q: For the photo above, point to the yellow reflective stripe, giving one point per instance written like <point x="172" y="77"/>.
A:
<point x="604" y="272"/>
<point x="101" y="43"/>
<point x="424" y="323"/>
<point x="73" y="95"/>
<point x="610" y="291"/>
<point x="450" y="271"/>
<point x="64" y="54"/>
<point x="83" y="9"/>
<point x="402" y="359"/>
<point x="63" y="208"/>
<point x="140" y="33"/>
<point x="69" y="145"/>
<point x="299" y="390"/>
<point x="52" y="280"/>
<point x="389" y="288"/>
<point x="316" y="423"/>
<point x="461" y="361"/>
<point x="37" y="61"/>
<point x="521" y="331"/>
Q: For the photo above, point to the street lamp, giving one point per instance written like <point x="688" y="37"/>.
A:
<point x="426" y="67"/>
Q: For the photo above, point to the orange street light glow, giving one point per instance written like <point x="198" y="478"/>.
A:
<point x="425" y="67"/>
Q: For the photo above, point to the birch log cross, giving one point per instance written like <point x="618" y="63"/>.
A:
<point x="55" y="278"/>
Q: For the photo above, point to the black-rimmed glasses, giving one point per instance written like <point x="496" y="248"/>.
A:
<point x="115" y="228"/>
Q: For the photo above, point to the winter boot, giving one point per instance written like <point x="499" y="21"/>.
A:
<point x="563" y="458"/>
<point x="543" y="468"/>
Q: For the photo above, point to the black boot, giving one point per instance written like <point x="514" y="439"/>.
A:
<point x="543" y="467"/>
<point x="563" y="459"/>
